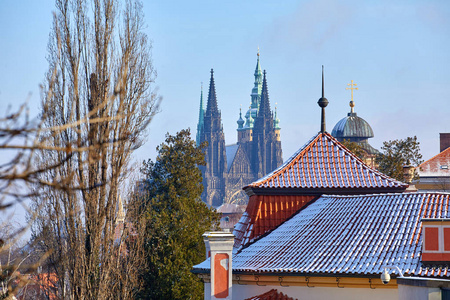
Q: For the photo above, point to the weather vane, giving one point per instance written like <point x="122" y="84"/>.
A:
<point x="352" y="87"/>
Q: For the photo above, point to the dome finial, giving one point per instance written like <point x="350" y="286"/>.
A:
<point x="323" y="102"/>
<point x="258" y="51"/>
<point x="352" y="87"/>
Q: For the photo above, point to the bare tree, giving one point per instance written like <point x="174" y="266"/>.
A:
<point x="98" y="99"/>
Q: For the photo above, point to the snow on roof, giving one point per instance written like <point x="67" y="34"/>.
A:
<point x="324" y="163"/>
<point x="438" y="165"/>
<point x="352" y="235"/>
<point x="228" y="208"/>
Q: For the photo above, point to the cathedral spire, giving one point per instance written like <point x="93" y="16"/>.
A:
<point x="264" y="107"/>
<point x="201" y="117"/>
<point x="256" y="91"/>
<point x="212" y="100"/>
<point x="323" y="102"/>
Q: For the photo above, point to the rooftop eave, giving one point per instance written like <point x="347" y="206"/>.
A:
<point x="252" y="190"/>
<point x="294" y="273"/>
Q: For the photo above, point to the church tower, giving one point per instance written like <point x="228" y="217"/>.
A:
<point x="257" y="151"/>
<point x="214" y="173"/>
<point x="245" y="130"/>
<point x="266" y="154"/>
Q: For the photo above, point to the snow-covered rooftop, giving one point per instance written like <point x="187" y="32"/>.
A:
<point x="352" y="235"/>
<point x="437" y="166"/>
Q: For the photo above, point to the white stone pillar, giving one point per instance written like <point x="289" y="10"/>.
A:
<point x="205" y="239"/>
<point x="220" y="246"/>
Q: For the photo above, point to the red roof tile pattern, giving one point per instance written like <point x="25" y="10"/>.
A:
<point x="348" y="235"/>
<point x="324" y="163"/>
<point x="265" y="213"/>
<point x="438" y="165"/>
<point x="271" y="295"/>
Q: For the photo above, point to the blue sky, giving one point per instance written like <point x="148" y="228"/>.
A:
<point x="396" y="51"/>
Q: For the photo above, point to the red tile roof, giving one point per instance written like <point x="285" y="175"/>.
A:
<point x="271" y="295"/>
<point x="438" y="165"/>
<point x="351" y="235"/>
<point x="325" y="164"/>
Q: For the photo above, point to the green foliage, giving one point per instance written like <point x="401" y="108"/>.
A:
<point x="397" y="153"/>
<point x="175" y="220"/>
<point x="355" y="148"/>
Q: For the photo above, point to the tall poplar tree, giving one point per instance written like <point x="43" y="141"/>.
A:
<point x="98" y="96"/>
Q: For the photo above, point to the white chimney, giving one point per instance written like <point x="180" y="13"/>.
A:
<point x="220" y="246"/>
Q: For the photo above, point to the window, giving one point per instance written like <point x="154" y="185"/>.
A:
<point x="436" y="240"/>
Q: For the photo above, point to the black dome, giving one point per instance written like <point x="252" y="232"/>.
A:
<point x="352" y="126"/>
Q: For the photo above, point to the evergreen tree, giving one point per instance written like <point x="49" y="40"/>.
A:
<point x="355" y="148"/>
<point x="175" y="219"/>
<point x="397" y="153"/>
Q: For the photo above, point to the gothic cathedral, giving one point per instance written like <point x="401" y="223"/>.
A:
<point x="257" y="152"/>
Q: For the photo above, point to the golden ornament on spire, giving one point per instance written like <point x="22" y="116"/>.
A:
<point x="258" y="51"/>
<point x="352" y="87"/>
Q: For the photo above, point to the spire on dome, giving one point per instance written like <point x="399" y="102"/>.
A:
<point x="240" y="121"/>
<point x="352" y="87"/>
<point x="323" y="102"/>
<point x="211" y="106"/>
<point x="120" y="217"/>
<point x="201" y="117"/>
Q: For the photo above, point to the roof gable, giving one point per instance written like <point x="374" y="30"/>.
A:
<point x="231" y="151"/>
<point x="439" y="165"/>
<point x="353" y="235"/>
<point x="325" y="164"/>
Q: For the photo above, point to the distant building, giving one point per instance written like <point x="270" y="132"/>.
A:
<point x="434" y="174"/>
<point x="355" y="129"/>
<point x="257" y="151"/>
<point x="231" y="214"/>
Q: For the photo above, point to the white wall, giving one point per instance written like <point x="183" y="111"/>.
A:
<point x="406" y="292"/>
<point x="316" y="293"/>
